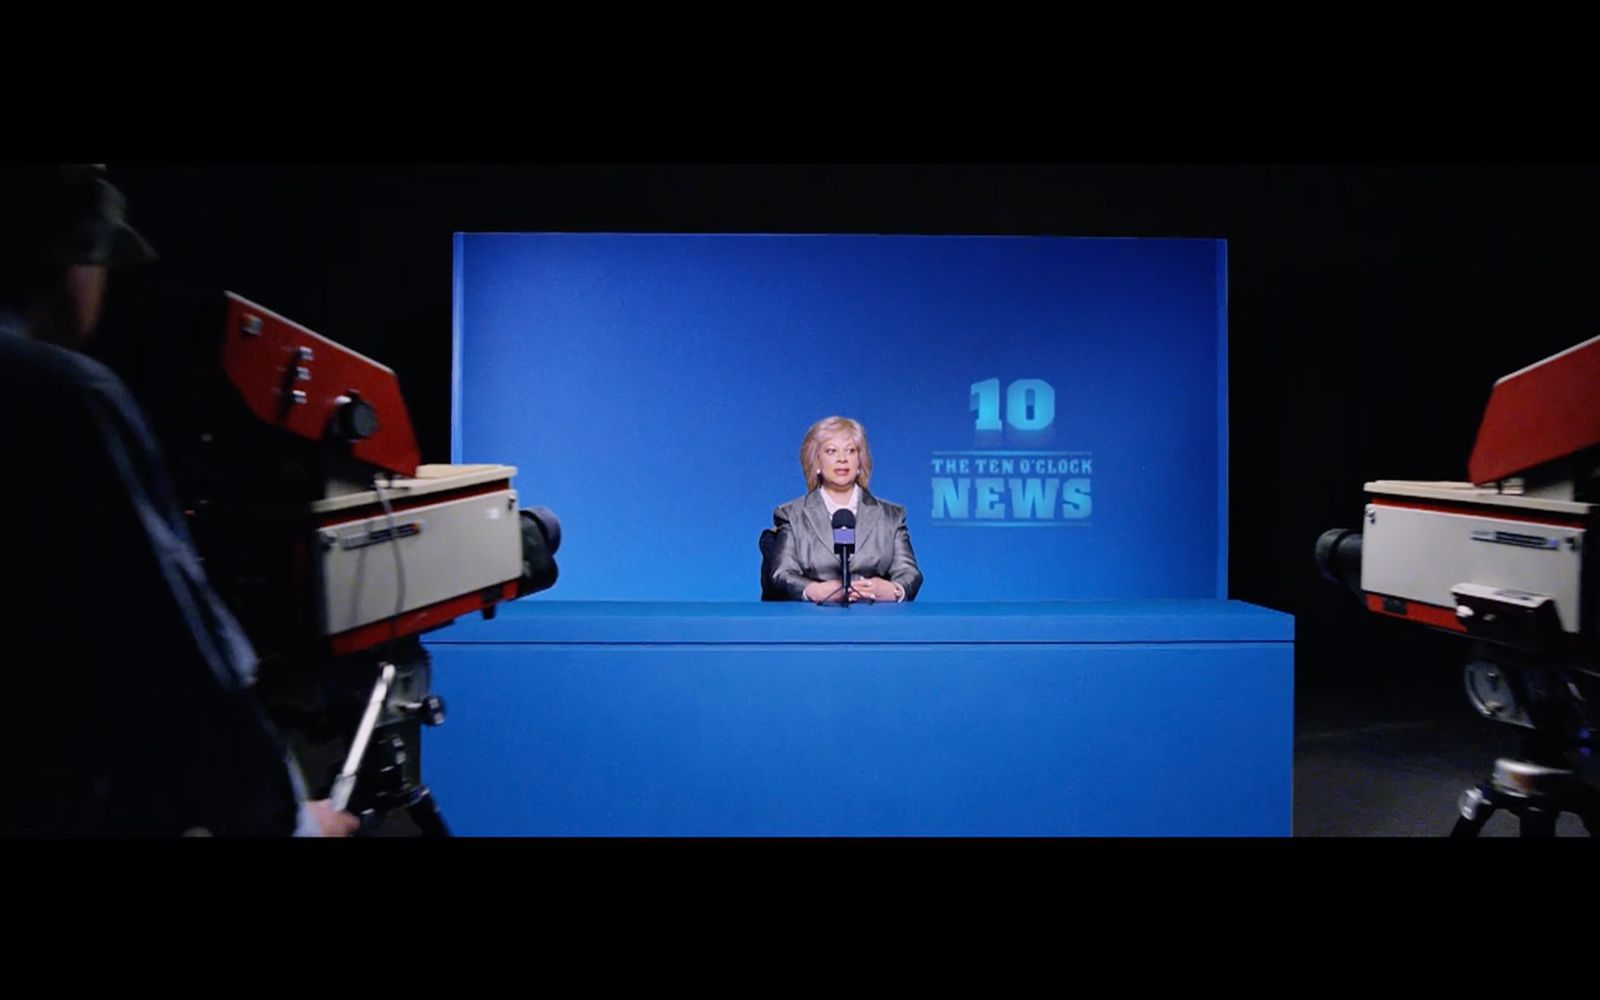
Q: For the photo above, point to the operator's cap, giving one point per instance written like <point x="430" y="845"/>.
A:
<point x="70" y="214"/>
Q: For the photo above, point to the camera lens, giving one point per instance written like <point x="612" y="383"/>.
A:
<point x="1339" y="557"/>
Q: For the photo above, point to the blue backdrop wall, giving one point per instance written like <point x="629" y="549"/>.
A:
<point x="1052" y="412"/>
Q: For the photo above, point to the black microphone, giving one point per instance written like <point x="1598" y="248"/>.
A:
<point x="844" y="546"/>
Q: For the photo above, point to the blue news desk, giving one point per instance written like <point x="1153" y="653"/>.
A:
<point x="1100" y="718"/>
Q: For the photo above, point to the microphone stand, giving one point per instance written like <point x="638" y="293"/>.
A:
<point x="844" y="546"/>
<point x="843" y="593"/>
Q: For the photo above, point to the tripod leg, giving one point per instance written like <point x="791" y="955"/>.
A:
<point x="424" y="812"/>
<point x="1539" y="823"/>
<point x="1587" y="807"/>
<point x="1475" y="807"/>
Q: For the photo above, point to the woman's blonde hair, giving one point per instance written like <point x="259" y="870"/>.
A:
<point x="811" y="448"/>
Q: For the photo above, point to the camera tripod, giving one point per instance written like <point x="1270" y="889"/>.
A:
<point x="1538" y="785"/>
<point x="359" y="721"/>
<point x="1536" y="794"/>
<point x="385" y="757"/>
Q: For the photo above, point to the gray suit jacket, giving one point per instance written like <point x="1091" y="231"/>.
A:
<point x="805" y="544"/>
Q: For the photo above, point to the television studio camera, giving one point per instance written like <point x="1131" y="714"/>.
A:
<point x="1507" y="561"/>
<point x="300" y="477"/>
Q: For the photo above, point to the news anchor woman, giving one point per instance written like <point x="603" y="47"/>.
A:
<point x="837" y="464"/>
